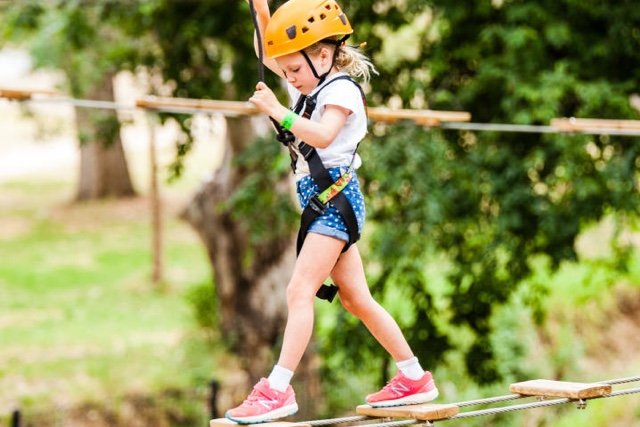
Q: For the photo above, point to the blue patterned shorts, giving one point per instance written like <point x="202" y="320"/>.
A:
<point x="331" y="222"/>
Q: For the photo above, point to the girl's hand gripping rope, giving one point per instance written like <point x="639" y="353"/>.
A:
<point x="266" y="101"/>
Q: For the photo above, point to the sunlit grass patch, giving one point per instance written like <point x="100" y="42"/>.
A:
<point x="79" y="316"/>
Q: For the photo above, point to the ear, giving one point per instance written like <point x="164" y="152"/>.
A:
<point x="325" y="53"/>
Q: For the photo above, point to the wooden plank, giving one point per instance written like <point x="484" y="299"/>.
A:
<point x="423" y="117"/>
<point x="425" y="411"/>
<point x="210" y="105"/>
<point x="224" y="422"/>
<point x="576" y="125"/>
<point x="550" y="388"/>
<point x="23" y="94"/>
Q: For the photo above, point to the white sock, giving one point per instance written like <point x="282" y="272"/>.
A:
<point x="411" y="368"/>
<point x="279" y="378"/>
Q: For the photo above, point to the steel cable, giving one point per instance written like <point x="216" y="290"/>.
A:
<point x="470" y="126"/>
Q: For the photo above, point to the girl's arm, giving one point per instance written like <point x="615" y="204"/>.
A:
<point x="317" y="134"/>
<point x="263" y="15"/>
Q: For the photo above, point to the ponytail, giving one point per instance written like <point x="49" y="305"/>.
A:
<point x="348" y="59"/>
<point x="355" y="63"/>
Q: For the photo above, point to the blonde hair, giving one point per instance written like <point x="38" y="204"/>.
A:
<point x="349" y="59"/>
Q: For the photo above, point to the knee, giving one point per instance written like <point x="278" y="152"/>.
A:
<point x="358" y="305"/>
<point x="299" y="295"/>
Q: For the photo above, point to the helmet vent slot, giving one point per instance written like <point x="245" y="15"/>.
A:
<point x="291" y="32"/>
<point x="322" y="16"/>
<point x="304" y="29"/>
<point x="311" y="19"/>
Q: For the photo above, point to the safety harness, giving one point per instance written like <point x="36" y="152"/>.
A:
<point x="330" y="190"/>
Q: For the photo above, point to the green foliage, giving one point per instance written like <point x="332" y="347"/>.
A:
<point x="490" y="205"/>
<point x="541" y="58"/>
<point x="264" y="194"/>
<point x="86" y="42"/>
<point x="203" y="301"/>
<point x="201" y="49"/>
<point x="492" y="202"/>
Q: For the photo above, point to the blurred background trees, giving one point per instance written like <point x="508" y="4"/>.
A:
<point x="493" y="202"/>
<point x="87" y="45"/>
<point x="483" y="208"/>
<point x="186" y="49"/>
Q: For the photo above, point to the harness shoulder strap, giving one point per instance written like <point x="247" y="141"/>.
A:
<point x="310" y="105"/>
<point x="343" y="77"/>
<point x="310" y="101"/>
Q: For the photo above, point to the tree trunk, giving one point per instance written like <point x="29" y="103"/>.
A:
<point x="103" y="166"/>
<point x="251" y="295"/>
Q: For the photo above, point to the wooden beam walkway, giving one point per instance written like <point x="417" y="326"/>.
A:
<point x="546" y="393"/>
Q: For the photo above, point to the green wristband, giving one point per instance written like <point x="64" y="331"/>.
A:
<point x="288" y="119"/>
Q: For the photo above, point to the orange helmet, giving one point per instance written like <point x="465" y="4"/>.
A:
<point x="298" y="24"/>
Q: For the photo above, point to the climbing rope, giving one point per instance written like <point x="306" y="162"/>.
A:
<point x="254" y="18"/>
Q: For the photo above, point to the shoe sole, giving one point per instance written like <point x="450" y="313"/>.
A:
<point x="414" y="399"/>
<point x="285" y="411"/>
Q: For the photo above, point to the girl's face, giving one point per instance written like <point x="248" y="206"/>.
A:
<point x="297" y="70"/>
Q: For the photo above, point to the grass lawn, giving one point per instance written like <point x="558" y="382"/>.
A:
<point x="80" y="320"/>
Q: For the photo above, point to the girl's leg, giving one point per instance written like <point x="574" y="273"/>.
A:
<point x="411" y="384"/>
<point x="356" y="298"/>
<point x="314" y="264"/>
<point x="315" y="261"/>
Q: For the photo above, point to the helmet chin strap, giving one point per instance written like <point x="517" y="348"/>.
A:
<point x="321" y="78"/>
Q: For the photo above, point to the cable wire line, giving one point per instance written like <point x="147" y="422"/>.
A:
<point x="469" y="126"/>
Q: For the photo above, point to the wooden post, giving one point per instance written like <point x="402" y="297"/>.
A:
<point x="16" y="418"/>
<point x="157" y="273"/>
<point x="214" y="387"/>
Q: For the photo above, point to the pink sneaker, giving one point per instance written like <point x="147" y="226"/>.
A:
<point x="405" y="391"/>
<point x="264" y="404"/>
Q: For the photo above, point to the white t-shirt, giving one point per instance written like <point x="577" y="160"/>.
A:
<point x="341" y="151"/>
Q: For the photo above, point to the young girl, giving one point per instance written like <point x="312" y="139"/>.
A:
<point x="304" y="44"/>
